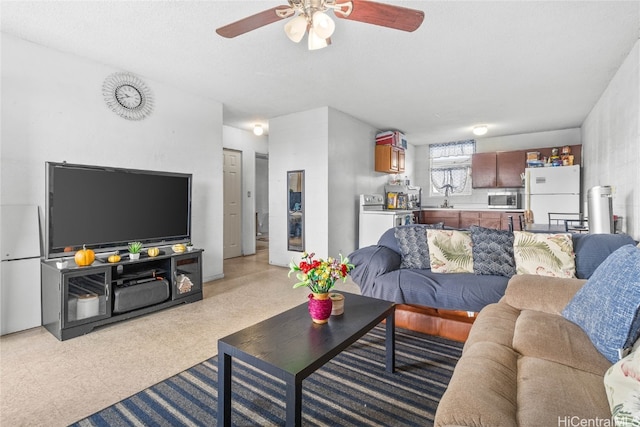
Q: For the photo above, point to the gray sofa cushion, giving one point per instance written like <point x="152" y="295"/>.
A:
<point x="454" y="291"/>
<point x="592" y="249"/>
<point x="492" y="251"/>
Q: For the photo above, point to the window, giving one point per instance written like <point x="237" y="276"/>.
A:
<point x="450" y="166"/>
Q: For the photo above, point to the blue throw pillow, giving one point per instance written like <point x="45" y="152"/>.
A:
<point x="412" y="242"/>
<point x="492" y="251"/>
<point x="607" y="307"/>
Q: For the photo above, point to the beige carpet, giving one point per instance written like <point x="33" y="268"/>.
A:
<point x="44" y="381"/>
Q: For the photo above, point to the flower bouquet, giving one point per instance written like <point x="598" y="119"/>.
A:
<point x="320" y="276"/>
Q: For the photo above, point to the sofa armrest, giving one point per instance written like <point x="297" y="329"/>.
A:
<point x="541" y="293"/>
<point x="372" y="261"/>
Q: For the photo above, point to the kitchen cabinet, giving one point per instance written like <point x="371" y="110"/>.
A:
<point x="502" y="169"/>
<point x="483" y="170"/>
<point x="389" y="159"/>
<point x="449" y="217"/>
<point x="515" y="216"/>
<point x="499" y="169"/>
<point x="480" y="218"/>
<point x="509" y="167"/>
<point x="466" y="218"/>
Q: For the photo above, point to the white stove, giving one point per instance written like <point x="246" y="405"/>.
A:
<point x="375" y="219"/>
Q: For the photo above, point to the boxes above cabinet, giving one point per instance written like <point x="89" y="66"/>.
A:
<point x="392" y="137"/>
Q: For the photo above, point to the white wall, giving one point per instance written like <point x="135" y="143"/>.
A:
<point x="611" y="142"/>
<point x="249" y="144"/>
<point x="53" y="110"/>
<point x="298" y="142"/>
<point x="336" y="151"/>
<point x="351" y="172"/>
<point x="552" y="138"/>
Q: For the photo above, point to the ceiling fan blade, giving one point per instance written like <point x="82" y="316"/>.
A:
<point x="386" y="15"/>
<point x="251" y="22"/>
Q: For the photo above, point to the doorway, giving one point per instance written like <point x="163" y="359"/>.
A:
<point x="232" y="200"/>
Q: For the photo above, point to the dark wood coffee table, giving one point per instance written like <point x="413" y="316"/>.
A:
<point x="291" y="347"/>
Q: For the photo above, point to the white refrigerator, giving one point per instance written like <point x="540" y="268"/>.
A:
<point x="553" y="190"/>
<point x="19" y="268"/>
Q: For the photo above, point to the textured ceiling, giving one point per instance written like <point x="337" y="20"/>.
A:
<point x="519" y="66"/>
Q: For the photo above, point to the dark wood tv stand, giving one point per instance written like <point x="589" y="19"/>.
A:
<point x="75" y="300"/>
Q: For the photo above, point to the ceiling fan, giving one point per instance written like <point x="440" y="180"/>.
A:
<point x="311" y="18"/>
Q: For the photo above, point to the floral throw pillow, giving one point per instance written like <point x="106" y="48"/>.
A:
<point x="544" y="254"/>
<point x="450" y="251"/>
<point x="622" y="384"/>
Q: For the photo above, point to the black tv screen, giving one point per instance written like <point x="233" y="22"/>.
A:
<point x="106" y="208"/>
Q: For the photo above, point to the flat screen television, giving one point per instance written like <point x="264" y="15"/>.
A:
<point x="105" y="208"/>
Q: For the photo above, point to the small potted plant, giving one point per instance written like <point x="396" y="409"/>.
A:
<point x="189" y="246"/>
<point x="134" y="250"/>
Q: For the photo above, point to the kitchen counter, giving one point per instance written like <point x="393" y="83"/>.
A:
<point x="391" y="211"/>
<point x="430" y="208"/>
<point x="465" y="217"/>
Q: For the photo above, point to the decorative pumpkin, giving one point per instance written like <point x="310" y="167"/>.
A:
<point x="114" y="258"/>
<point x="84" y="257"/>
<point x="153" y="252"/>
<point x="179" y="248"/>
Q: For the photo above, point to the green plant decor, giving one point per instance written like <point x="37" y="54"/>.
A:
<point x="134" y="247"/>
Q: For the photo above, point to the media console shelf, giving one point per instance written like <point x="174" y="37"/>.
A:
<point x="75" y="300"/>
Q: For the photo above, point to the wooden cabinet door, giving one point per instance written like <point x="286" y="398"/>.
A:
<point x="400" y="160"/>
<point x="483" y="170"/>
<point x="490" y="220"/>
<point x="515" y="217"/>
<point x="480" y="218"/>
<point x="469" y="218"/>
<point x="450" y="218"/>
<point x="383" y="158"/>
<point x="388" y="159"/>
<point x="509" y="166"/>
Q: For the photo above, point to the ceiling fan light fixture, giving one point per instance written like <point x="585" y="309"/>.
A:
<point x="322" y="25"/>
<point x="296" y="27"/>
<point x="480" y="130"/>
<point x="316" y="42"/>
<point x="258" y="130"/>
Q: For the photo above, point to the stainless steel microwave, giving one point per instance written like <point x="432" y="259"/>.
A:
<point x="504" y="200"/>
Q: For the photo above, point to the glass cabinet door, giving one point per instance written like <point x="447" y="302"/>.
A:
<point x="187" y="276"/>
<point x="87" y="296"/>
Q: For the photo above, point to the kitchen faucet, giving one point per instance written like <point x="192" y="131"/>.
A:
<point x="446" y="196"/>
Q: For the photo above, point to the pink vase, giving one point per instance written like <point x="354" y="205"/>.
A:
<point x="320" y="306"/>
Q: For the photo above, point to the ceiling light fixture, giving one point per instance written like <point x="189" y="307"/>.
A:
<point x="312" y="19"/>
<point x="480" y="130"/>
<point x="258" y="130"/>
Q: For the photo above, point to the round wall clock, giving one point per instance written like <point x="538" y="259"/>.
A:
<point x="128" y="96"/>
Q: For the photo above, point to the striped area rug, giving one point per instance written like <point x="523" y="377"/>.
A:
<point x="351" y="390"/>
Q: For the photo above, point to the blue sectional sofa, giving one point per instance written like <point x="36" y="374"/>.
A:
<point x="450" y="301"/>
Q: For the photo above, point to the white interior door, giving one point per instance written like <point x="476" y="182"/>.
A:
<point x="232" y="171"/>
